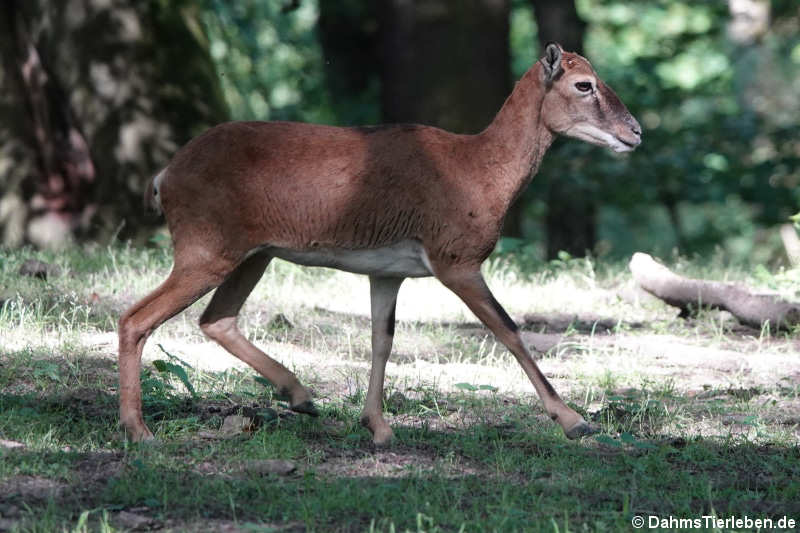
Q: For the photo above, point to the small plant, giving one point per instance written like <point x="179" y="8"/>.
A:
<point x="473" y="388"/>
<point x="175" y="369"/>
<point x="625" y="438"/>
<point x="625" y="413"/>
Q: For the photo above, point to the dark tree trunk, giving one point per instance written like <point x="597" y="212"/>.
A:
<point x="570" y="218"/>
<point x="557" y="20"/>
<point x="348" y="33"/>
<point x="445" y="63"/>
<point x="61" y="202"/>
<point x="571" y="208"/>
<point x="95" y="97"/>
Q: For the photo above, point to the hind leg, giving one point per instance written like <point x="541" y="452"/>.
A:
<point x="185" y="284"/>
<point x="219" y="323"/>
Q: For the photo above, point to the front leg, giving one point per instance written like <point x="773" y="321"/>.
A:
<point x="469" y="285"/>
<point x="383" y="294"/>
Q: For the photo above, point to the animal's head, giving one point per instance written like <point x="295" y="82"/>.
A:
<point x="578" y="104"/>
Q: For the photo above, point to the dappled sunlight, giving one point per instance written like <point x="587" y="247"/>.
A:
<point x="695" y="404"/>
<point x="363" y="144"/>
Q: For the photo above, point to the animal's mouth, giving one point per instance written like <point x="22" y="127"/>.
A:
<point x="601" y="137"/>
<point x="627" y="145"/>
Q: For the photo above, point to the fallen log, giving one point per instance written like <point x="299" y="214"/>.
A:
<point x="691" y="295"/>
<point x="791" y="242"/>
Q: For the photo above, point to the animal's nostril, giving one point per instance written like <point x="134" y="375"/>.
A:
<point x="636" y="130"/>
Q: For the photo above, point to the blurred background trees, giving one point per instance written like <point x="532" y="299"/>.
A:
<point x="97" y="94"/>
<point x="94" y="97"/>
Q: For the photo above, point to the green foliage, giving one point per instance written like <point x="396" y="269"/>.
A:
<point x="175" y="369"/>
<point x="716" y="150"/>
<point x="719" y="159"/>
<point x="522" y="38"/>
<point x="270" y="61"/>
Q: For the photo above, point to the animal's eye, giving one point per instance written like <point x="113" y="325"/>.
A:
<point x="583" y="86"/>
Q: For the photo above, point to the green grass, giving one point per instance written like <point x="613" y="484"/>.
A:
<point x="699" y="417"/>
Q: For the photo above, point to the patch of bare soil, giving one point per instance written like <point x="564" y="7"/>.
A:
<point x="393" y="462"/>
<point x="584" y="323"/>
<point x="384" y="464"/>
<point x="536" y="342"/>
<point x="402" y="460"/>
<point x="30" y="488"/>
<point x="99" y="467"/>
<point x="229" y="526"/>
<point x="91" y="473"/>
<point x="683" y="359"/>
<point x="45" y="377"/>
<point x="88" y="402"/>
<point x="135" y="520"/>
<point x="139" y="519"/>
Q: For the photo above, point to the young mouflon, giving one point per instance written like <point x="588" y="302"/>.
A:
<point x="390" y="202"/>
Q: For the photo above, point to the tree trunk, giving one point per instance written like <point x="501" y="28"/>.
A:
<point x="61" y="202"/>
<point x="95" y="97"/>
<point x="557" y="20"/>
<point x="571" y="208"/>
<point x="348" y="33"/>
<point x="445" y="63"/>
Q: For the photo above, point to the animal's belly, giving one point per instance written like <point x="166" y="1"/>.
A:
<point x="403" y="259"/>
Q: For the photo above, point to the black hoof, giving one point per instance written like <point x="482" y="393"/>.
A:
<point x="581" y="429"/>
<point x="307" y="407"/>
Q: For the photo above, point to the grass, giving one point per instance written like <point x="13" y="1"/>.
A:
<point x="698" y="417"/>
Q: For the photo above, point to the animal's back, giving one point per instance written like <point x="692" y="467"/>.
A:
<point x="300" y="186"/>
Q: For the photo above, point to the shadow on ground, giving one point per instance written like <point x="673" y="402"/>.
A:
<point x="496" y="467"/>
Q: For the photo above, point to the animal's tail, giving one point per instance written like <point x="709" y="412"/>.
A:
<point x="152" y="196"/>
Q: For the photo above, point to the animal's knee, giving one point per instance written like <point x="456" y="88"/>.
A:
<point x="218" y="329"/>
<point x="129" y="330"/>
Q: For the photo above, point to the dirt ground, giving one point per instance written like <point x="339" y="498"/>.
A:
<point x="587" y="358"/>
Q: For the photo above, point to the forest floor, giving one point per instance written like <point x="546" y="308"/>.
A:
<point x="699" y="418"/>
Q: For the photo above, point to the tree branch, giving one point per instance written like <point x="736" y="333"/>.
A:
<point x="689" y="295"/>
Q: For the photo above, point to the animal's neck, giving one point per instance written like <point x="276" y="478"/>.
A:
<point x="515" y="142"/>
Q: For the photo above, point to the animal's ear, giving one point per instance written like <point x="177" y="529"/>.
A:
<point x="552" y="61"/>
